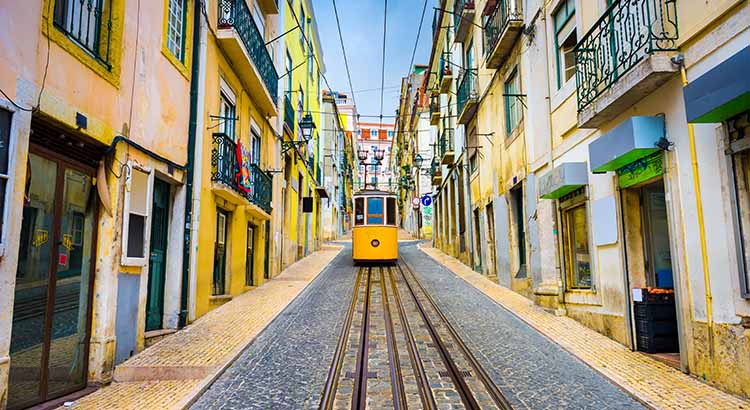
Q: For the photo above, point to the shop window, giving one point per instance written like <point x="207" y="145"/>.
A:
<point x="738" y="130"/>
<point x="565" y="41"/>
<point x="176" y="23"/>
<point x="5" y="122"/>
<point x="136" y="217"/>
<point x="513" y="111"/>
<point x="359" y="211"/>
<point x="391" y="211"/>
<point x="375" y="211"/>
<point x="575" y="238"/>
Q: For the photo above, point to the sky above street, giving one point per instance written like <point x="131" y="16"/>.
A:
<point x="362" y="30"/>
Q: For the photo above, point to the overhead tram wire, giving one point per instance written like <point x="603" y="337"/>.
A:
<point x="416" y="42"/>
<point x="343" y="51"/>
<point x="382" y="72"/>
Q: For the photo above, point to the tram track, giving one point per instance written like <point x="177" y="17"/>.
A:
<point x="397" y="349"/>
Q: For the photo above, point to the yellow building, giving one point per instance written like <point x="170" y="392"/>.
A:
<point x="94" y="123"/>
<point x="302" y="83"/>
<point x="237" y="146"/>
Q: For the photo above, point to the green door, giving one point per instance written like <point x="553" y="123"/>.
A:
<point x="157" y="265"/>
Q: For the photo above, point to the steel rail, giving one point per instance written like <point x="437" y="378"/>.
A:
<point x="329" y="391"/>
<point x="359" y="398"/>
<point x="497" y="396"/>
<point x="397" y="382"/>
<point x="425" y="390"/>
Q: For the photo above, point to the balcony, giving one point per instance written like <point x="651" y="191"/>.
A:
<point x="467" y="97"/>
<point x="288" y="115"/>
<point x="446" y="73"/>
<point x="434" y="110"/>
<point x="624" y="57"/>
<point x="463" y="19"/>
<point x="226" y="176"/>
<point x="437" y="173"/>
<point x="501" y="31"/>
<point x="445" y="145"/>
<point x="245" y="47"/>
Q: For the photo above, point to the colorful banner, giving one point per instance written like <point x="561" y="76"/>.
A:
<point x="243" y="167"/>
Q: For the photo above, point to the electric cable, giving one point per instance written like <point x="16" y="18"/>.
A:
<point x="343" y="51"/>
<point x="382" y="71"/>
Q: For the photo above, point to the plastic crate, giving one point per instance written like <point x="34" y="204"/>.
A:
<point x="657" y="344"/>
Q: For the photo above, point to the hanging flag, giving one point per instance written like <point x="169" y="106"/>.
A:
<point x="243" y="168"/>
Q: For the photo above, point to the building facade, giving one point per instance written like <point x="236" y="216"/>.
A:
<point x="592" y="160"/>
<point x="372" y="137"/>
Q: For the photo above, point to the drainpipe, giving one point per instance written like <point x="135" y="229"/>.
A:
<point x="195" y="81"/>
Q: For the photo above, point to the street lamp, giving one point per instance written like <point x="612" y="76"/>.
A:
<point x="378" y="154"/>
<point x="307" y="125"/>
<point x="418" y="161"/>
<point x="362" y="154"/>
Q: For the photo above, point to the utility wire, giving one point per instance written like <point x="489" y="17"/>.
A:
<point x="416" y="42"/>
<point x="382" y="72"/>
<point x="343" y="51"/>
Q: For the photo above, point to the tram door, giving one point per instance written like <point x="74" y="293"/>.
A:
<point x="51" y="311"/>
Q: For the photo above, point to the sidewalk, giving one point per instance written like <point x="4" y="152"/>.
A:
<point x="176" y="370"/>
<point x="650" y="381"/>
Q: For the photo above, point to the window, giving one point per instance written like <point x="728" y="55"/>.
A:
<point x="289" y="74"/>
<point x="738" y="131"/>
<point x="176" y="23"/>
<point x="390" y="135"/>
<point x="255" y="144"/>
<point x="375" y="211"/>
<point x="565" y="40"/>
<point x="5" y="123"/>
<point x="373" y="134"/>
<point x="303" y="24"/>
<point x="391" y="211"/>
<point x="259" y="19"/>
<point x="576" y="241"/>
<point x="359" y="211"/>
<point x="136" y="221"/>
<point x="82" y="21"/>
<point x="227" y="110"/>
<point x="512" y="104"/>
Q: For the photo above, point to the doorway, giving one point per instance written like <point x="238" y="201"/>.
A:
<point x="54" y="281"/>
<point x="477" y="242"/>
<point x="158" y="255"/>
<point x="250" y="255"/>
<point x="220" y="253"/>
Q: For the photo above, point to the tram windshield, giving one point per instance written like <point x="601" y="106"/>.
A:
<point x="391" y="211"/>
<point x="375" y="211"/>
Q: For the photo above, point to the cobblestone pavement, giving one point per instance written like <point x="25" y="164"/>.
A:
<point x="287" y="364"/>
<point x="532" y="371"/>
<point x="654" y="383"/>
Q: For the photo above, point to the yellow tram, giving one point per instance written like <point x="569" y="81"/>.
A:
<point x="375" y="232"/>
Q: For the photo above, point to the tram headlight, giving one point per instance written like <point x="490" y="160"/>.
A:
<point x="375" y="243"/>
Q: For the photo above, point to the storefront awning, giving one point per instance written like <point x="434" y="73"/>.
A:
<point x="321" y="190"/>
<point x="634" y="139"/>
<point x="563" y="180"/>
<point x="722" y="92"/>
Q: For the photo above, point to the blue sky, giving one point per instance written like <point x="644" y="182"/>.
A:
<point x="362" y="28"/>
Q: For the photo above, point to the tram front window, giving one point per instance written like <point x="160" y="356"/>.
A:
<point x="391" y="211"/>
<point x="359" y="211"/>
<point x="374" y="211"/>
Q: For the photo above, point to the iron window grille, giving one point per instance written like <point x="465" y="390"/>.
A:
<point x="88" y="23"/>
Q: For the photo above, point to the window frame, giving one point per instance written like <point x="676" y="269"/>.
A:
<point x="566" y="206"/>
<point x="184" y="32"/>
<point x="570" y="15"/>
<point x="739" y="149"/>
<point x="513" y="80"/>
<point x="126" y="260"/>
<point x="9" y="176"/>
<point x="226" y="94"/>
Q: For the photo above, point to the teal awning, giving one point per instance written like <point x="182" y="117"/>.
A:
<point x="563" y="179"/>
<point x="630" y="141"/>
<point x="722" y="92"/>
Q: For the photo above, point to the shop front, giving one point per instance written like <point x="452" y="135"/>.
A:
<point x="55" y="274"/>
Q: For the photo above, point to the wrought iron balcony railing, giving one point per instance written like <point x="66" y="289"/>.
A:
<point x="458" y="9"/>
<point x="234" y="13"/>
<point x="627" y="32"/>
<point x="467" y="89"/>
<point x="501" y="16"/>
<point x="446" y="141"/>
<point x="89" y="24"/>
<point x="288" y="113"/>
<point x="226" y="169"/>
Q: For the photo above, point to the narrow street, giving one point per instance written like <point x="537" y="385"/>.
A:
<point x="405" y="336"/>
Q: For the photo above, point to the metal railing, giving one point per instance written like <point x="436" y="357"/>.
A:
<point x="225" y="169"/>
<point x="234" y="13"/>
<point x="446" y="142"/>
<point x="627" y="32"/>
<point x="497" y="22"/>
<point x="88" y="23"/>
<point x="467" y="89"/>
<point x="288" y="113"/>
<point x="458" y="9"/>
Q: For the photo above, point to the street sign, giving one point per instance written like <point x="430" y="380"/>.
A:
<point x="415" y="201"/>
<point x="426" y="200"/>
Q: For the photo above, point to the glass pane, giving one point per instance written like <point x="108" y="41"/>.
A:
<point x="32" y="276"/>
<point x="374" y="211"/>
<point x="5" y="117"/>
<point x="359" y="211"/>
<point x="661" y="253"/>
<point x="391" y="211"/>
<point x="580" y="247"/>
<point x="67" y="360"/>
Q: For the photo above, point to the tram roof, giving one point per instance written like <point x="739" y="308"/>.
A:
<point x="373" y="192"/>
